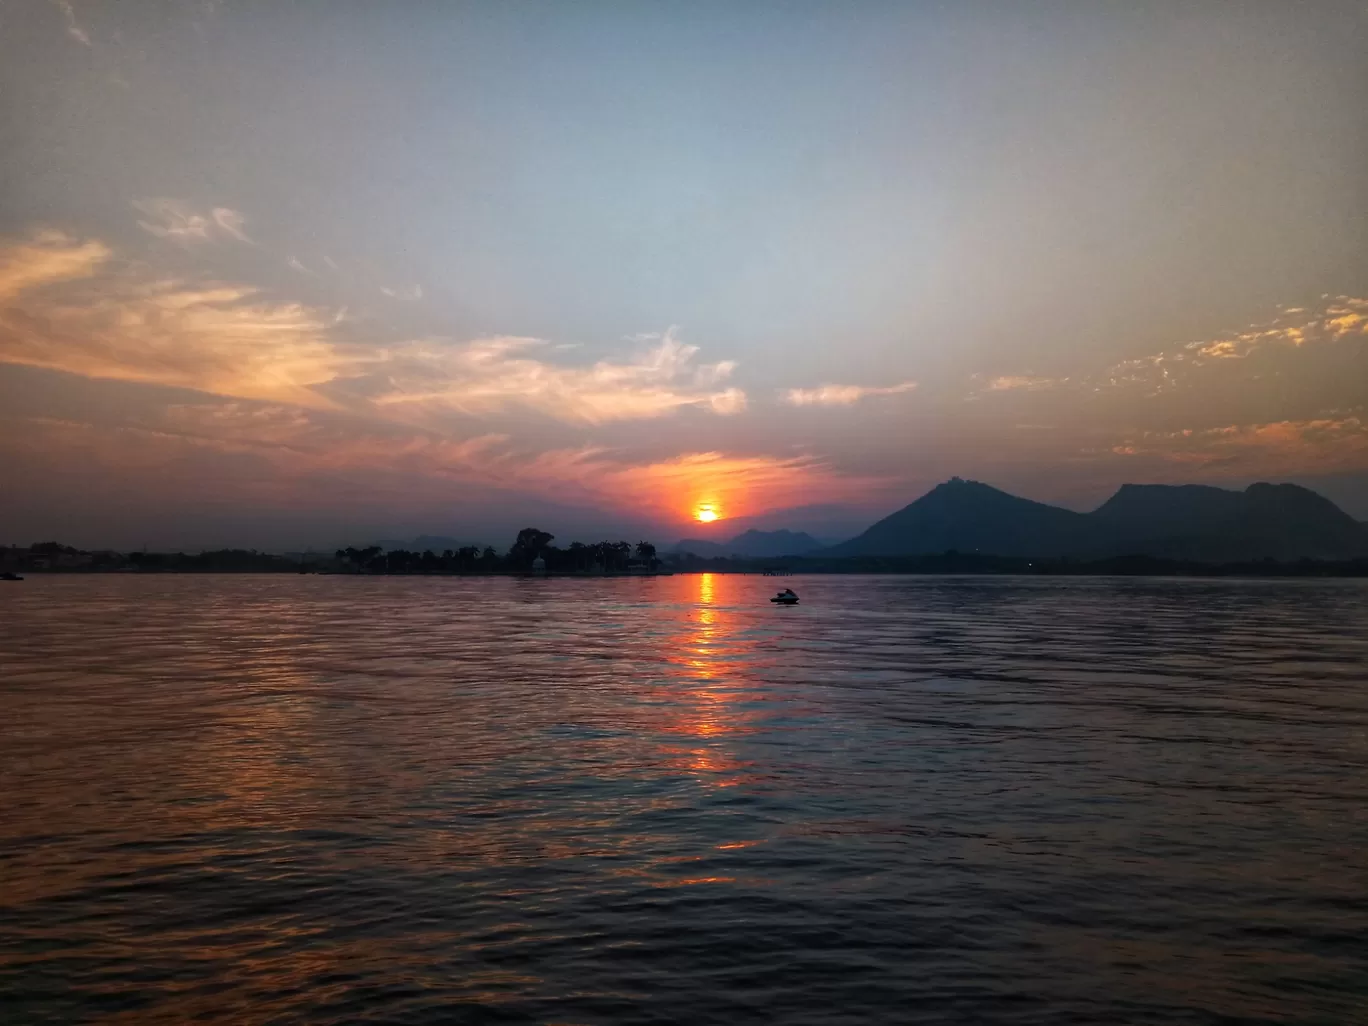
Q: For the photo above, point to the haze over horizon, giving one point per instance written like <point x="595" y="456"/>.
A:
<point x="319" y="273"/>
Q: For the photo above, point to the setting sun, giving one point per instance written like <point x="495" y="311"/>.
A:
<point x="706" y="514"/>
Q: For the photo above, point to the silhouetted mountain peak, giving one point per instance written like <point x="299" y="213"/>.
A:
<point x="1133" y="492"/>
<point x="1161" y="508"/>
<point x="1291" y="497"/>
<point x="1274" y="519"/>
<point x="969" y="516"/>
<point x="754" y="544"/>
<point x="780" y="535"/>
<point x="963" y="488"/>
<point x="961" y="492"/>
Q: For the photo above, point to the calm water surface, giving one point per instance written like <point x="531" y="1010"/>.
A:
<point x="320" y="799"/>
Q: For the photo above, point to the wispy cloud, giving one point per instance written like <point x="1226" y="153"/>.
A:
<point x="841" y="395"/>
<point x="179" y="222"/>
<point x="47" y="259"/>
<point x="727" y="402"/>
<point x="1346" y="316"/>
<point x="494" y="374"/>
<point x="222" y="339"/>
<point x="1294" y="326"/>
<point x="64" y="307"/>
<point x="69" y="305"/>
<point x="73" y="27"/>
<point x="1337" y="319"/>
<point x="403" y="293"/>
<point x="1019" y="382"/>
<point x="1316" y="445"/>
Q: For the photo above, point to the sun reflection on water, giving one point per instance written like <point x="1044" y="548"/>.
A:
<point x="704" y="696"/>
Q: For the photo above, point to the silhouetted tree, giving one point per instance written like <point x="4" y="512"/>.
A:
<point x="360" y="558"/>
<point x="577" y="556"/>
<point x="528" y="546"/>
<point x="51" y="548"/>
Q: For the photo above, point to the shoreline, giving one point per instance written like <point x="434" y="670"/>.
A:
<point x="1273" y="572"/>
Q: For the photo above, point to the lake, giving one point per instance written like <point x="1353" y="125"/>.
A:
<point x="906" y="800"/>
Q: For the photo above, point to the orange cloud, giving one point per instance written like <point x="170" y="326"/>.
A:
<point x="1337" y="319"/>
<point x="49" y="258"/>
<point x="65" y="305"/>
<point x="1321" y="445"/>
<point x="1346" y="317"/>
<point x="737" y="486"/>
<point x="1294" y="327"/>
<point x="225" y="339"/>
<point x="301" y="445"/>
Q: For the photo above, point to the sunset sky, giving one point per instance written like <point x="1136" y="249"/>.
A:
<point x="285" y="273"/>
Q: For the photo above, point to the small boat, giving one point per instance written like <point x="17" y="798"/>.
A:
<point x="8" y="576"/>
<point x="787" y="597"/>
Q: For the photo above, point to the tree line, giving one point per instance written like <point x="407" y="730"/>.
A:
<point x="531" y="544"/>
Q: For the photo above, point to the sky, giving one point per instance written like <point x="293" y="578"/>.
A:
<point x="284" y="274"/>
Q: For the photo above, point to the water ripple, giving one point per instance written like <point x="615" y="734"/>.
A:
<point x="312" y="799"/>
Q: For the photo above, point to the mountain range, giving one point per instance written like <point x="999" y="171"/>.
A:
<point x="1185" y="522"/>
<point x="753" y="545"/>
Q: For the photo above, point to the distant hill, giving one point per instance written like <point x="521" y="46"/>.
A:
<point x="1277" y="521"/>
<point x="971" y="517"/>
<point x="1181" y="522"/>
<point x="753" y="545"/>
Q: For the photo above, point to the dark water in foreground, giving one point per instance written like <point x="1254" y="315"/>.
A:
<point x="313" y="799"/>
